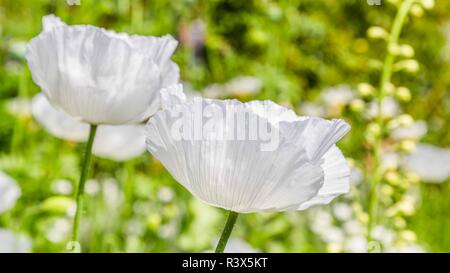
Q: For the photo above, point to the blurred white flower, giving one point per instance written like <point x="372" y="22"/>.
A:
<point x="390" y="160"/>
<point x="312" y="109"/>
<point x="214" y="91"/>
<point x="19" y="106"/>
<point x="238" y="246"/>
<point x="62" y="186"/>
<point x="429" y="162"/>
<point x="333" y="235"/>
<point x="59" y="230"/>
<point x="9" y="192"/>
<point x="389" y="108"/>
<point x="337" y="95"/>
<point x="356" y="176"/>
<point x="165" y="194"/>
<point x="11" y="242"/>
<point x="99" y="76"/>
<point x="306" y="168"/>
<point x="92" y="187"/>
<point x="119" y="143"/>
<point x="342" y="211"/>
<point x="353" y="227"/>
<point x="57" y="122"/>
<point x="356" y="244"/>
<point x="111" y="192"/>
<point x="243" y="86"/>
<point x="415" y="130"/>
<point x="73" y="2"/>
<point x="406" y="248"/>
<point x="384" y="235"/>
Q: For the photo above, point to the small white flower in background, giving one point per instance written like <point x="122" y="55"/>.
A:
<point x="243" y="86"/>
<point x="99" y="76"/>
<point x="19" y="106"/>
<point x="343" y="211"/>
<point x="429" y="162"/>
<point x="337" y="95"/>
<point x="62" y="186"/>
<point x="389" y="108"/>
<point x="58" y="230"/>
<point x="415" y="130"/>
<point x="9" y="192"/>
<point x="304" y="168"/>
<point x="119" y="143"/>
<point x="11" y="242"/>
<point x="356" y="176"/>
<point x="312" y="109"/>
<point x="73" y="2"/>
<point x="238" y="246"/>
<point x="92" y="187"/>
<point x="57" y="122"/>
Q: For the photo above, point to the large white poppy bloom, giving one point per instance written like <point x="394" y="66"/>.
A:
<point x="9" y="192"/>
<point x="295" y="166"/>
<point x="119" y="142"/>
<point x="99" y="76"/>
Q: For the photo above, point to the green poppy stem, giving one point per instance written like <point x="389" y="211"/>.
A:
<point x="80" y="190"/>
<point x="232" y="216"/>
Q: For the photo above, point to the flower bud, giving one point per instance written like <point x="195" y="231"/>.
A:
<point x="427" y="4"/>
<point x="377" y="33"/>
<point x="372" y="132"/>
<point x="408" y="235"/>
<point x="417" y="10"/>
<point x="357" y="105"/>
<point x="409" y="65"/>
<point x="59" y="205"/>
<point x="365" y="89"/>
<point x="406" y="51"/>
<point x="403" y="94"/>
<point x="407" y="145"/>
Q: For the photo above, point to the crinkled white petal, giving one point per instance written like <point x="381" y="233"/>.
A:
<point x="11" y="242"/>
<point x="99" y="76"/>
<point x="237" y="173"/>
<point x="9" y="192"/>
<point x="429" y="162"/>
<point x="337" y="179"/>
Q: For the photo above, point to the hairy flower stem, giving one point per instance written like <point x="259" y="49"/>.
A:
<point x="80" y="190"/>
<point x="232" y="216"/>
<point x="385" y="80"/>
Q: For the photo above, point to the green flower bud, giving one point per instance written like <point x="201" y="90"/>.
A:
<point x="377" y="33"/>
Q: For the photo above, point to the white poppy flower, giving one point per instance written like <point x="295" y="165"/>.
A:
<point x="9" y="192"/>
<point x="11" y="242"/>
<point x="294" y="167"/>
<point x="99" y="76"/>
<point x="429" y="162"/>
<point x="119" y="143"/>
